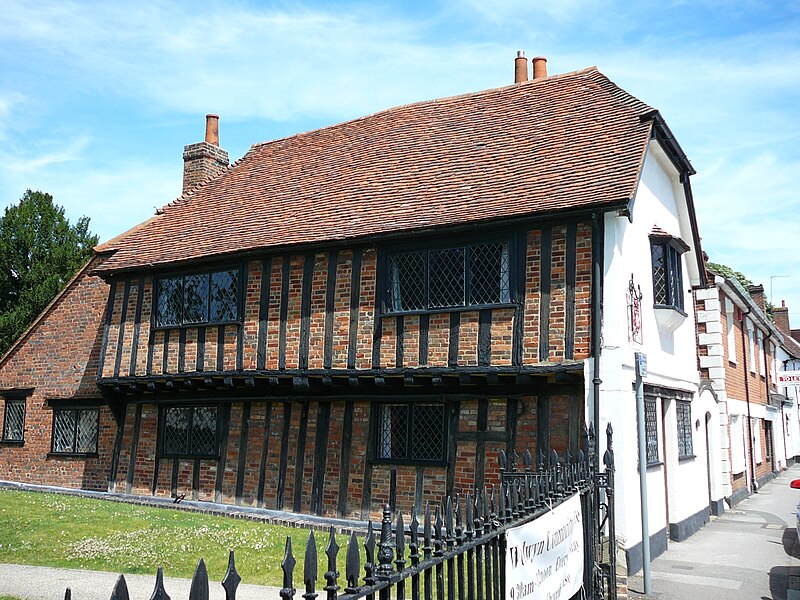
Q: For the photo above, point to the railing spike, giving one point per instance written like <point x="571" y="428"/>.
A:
<point x="400" y="543"/>
<point x="352" y="565"/>
<point x="413" y="545"/>
<point x="159" y="592"/>
<point x="199" y="587"/>
<point x="331" y="574"/>
<point x="470" y="519"/>
<point x="448" y="522"/>
<point x="503" y="460"/>
<point x="459" y="522"/>
<point x="68" y="594"/>
<point x="427" y="548"/>
<point x="369" y="565"/>
<point x="527" y="458"/>
<point x="385" y="550"/>
<point x="120" y="591"/>
<point x="310" y="568"/>
<point x="231" y="580"/>
<point x="287" y="565"/>
<point x="437" y="529"/>
<point x="553" y="458"/>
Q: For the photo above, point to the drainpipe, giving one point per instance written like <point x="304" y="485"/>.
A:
<point x="766" y="383"/>
<point x="597" y="317"/>
<point x="746" y="345"/>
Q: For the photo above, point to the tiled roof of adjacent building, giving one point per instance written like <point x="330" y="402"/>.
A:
<point x="566" y="142"/>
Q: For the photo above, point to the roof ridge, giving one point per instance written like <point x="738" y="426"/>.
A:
<point x="408" y="105"/>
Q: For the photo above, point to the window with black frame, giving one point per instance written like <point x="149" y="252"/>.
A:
<point x="651" y="431"/>
<point x="411" y="432"/>
<point x="75" y="430"/>
<point x="189" y="431"/>
<point x="665" y="253"/>
<point x="14" y="419"/>
<point x="198" y="298"/>
<point x="441" y="278"/>
<point x="684" y="416"/>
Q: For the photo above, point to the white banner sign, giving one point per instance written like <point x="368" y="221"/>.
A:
<point x="544" y="558"/>
<point x="789" y="378"/>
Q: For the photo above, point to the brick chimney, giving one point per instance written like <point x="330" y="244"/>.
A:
<point x="757" y="294"/>
<point x="539" y="67"/>
<point x="204" y="160"/>
<point x="520" y="67"/>
<point x="780" y="315"/>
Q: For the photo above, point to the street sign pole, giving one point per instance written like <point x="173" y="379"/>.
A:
<point x="641" y="371"/>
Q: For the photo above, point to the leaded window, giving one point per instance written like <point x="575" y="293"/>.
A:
<point x="189" y="431"/>
<point x="411" y="432"/>
<point x="75" y="430"/>
<point x="198" y="298"/>
<point x="474" y="275"/>
<point x="684" y="414"/>
<point x="651" y="431"/>
<point x="667" y="272"/>
<point x="14" y="420"/>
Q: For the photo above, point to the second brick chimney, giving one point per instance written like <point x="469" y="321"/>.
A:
<point x="780" y="315"/>
<point x="757" y="294"/>
<point x="204" y="160"/>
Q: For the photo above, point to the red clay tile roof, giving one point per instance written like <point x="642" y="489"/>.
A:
<point x="565" y="142"/>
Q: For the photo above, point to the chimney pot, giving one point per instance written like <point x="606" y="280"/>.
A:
<point x="212" y="130"/>
<point x="539" y="67"/>
<point x="520" y="67"/>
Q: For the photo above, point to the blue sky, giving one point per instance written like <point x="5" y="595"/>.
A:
<point x="97" y="99"/>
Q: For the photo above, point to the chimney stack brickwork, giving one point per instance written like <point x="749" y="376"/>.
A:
<point x="780" y="315"/>
<point x="204" y="160"/>
<point x="757" y="294"/>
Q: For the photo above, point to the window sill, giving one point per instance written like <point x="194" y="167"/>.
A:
<point x="178" y="327"/>
<point x="12" y="442"/>
<point x="669" y="317"/>
<point x="651" y="466"/>
<point x="686" y="458"/>
<point x="191" y="456"/>
<point x="404" y="462"/>
<point x="72" y="455"/>
<point x="449" y="309"/>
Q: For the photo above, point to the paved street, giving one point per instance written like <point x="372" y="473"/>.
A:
<point x="749" y="552"/>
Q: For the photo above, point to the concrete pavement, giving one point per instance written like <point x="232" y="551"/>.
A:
<point x="46" y="583"/>
<point x="749" y="552"/>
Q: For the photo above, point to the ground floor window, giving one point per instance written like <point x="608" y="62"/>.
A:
<point x="684" y="416"/>
<point x="75" y="430"/>
<point x="651" y="431"/>
<point x="189" y="431"/>
<point x="14" y="420"/>
<point x="412" y="432"/>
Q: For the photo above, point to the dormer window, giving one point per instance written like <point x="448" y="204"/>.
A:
<point x="198" y="298"/>
<point x="665" y="252"/>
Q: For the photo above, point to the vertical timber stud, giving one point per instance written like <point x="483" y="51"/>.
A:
<point x="320" y="457"/>
<point x="137" y="327"/>
<point x="220" y="348"/>
<point x="112" y="478"/>
<point x="355" y="296"/>
<point x="543" y="425"/>
<point x="480" y="445"/>
<point x="284" y="312"/>
<point x="151" y="338"/>
<point x="112" y="292"/>
<point x="399" y="356"/>
<point x="287" y="423"/>
<point x="196" y="479"/>
<point x="485" y="338"/>
<point x="244" y="277"/>
<point x="123" y="315"/>
<point x="453" y="409"/>
<point x="182" y="351"/>
<point x="419" y="488"/>
<point x="263" y="313"/>
<point x="518" y="282"/>
<point x="241" y="468"/>
<point x="137" y="424"/>
<point x="262" y="469"/>
<point x="200" y="361"/>
<point x="344" y="461"/>
<point x="173" y="485"/>
<point x="544" y="286"/>
<point x="372" y="433"/>
<point x="424" y="324"/>
<point x="223" y="451"/>
<point x="300" y="459"/>
<point x="512" y="410"/>
<point x="452" y="345"/>
<point x="165" y="353"/>
<point x="377" y="331"/>
<point x="569" y="312"/>
<point x="330" y="303"/>
<point x="305" y="309"/>
<point x="576" y="405"/>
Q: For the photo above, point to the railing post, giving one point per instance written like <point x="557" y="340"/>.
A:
<point x="331" y="574"/>
<point x="287" y="566"/>
<point x="352" y="565"/>
<point x="608" y="459"/>
<point x="310" y="568"/>
<point x="231" y="580"/>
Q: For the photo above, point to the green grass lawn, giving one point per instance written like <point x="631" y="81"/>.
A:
<point x="82" y="533"/>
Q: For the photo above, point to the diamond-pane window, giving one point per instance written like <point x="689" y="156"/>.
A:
<point x="442" y="278"/>
<point x="224" y="293"/>
<point x="684" y="414"/>
<point x="75" y="431"/>
<point x="651" y="431"/>
<point x="489" y="274"/>
<point x="198" y="298"/>
<point x="665" y="254"/>
<point x="411" y="432"/>
<point x="14" y="420"/>
<point x="189" y="431"/>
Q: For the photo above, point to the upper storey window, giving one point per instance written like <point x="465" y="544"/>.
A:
<point x="198" y="298"/>
<point x="665" y="252"/>
<point x="442" y="278"/>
